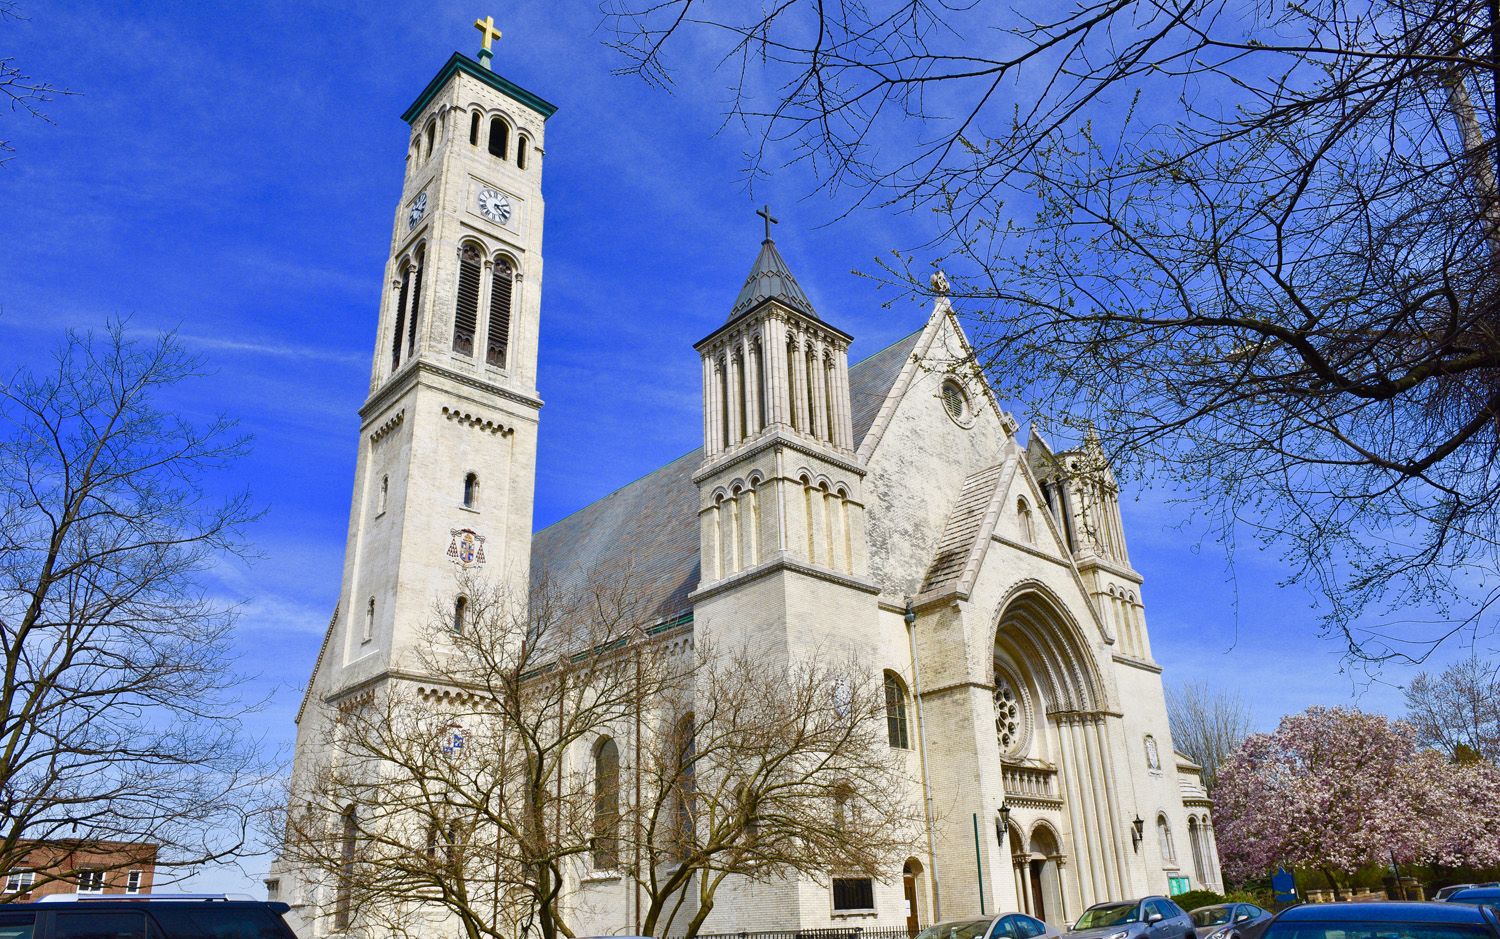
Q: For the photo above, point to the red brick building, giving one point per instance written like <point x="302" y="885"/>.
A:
<point x="97" y="867"/>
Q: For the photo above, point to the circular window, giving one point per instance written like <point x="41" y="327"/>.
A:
<point x="956" y="403"/>
<point x="1012" y="716"/>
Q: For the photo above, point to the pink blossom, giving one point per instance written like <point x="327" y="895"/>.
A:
<point x="1338" y="788"/>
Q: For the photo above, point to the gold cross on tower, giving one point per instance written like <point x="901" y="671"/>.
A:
<point x="487" y="27"/>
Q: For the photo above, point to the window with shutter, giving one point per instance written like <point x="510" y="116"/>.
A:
<point x="400" y="333"/>
<point x="466" y="314"/>
<point x="416" y="305"/>
<point x="498" y="336"/>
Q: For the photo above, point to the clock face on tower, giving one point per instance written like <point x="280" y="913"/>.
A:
<point x="494" y="206"/>
<point x="418" y="209"/>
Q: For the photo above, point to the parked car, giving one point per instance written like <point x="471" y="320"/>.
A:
<point x="1230" y="921"/>
<point x="1476" y="895"/>
<point x="1003" y="926"/>
<point x="115" y="916"/>
<point x="1385" y="920"/>
<point x="1146" y="918"/>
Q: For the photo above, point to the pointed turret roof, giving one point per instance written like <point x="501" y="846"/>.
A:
<point x="770" y="279"/>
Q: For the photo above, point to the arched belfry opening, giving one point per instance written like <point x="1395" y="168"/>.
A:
<point x="1054" y="737"/>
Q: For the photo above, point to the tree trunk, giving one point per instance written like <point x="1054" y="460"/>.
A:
<point x="1338" y="894"/>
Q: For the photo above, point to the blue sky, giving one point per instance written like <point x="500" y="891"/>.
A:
<point x="231" y="170"/>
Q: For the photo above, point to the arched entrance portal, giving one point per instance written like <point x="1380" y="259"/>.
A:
<point x="1051" y="713"/>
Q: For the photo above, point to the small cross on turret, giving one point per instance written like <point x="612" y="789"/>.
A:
<point x="765" y="213"/>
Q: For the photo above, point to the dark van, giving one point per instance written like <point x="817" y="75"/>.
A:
<point x="145" y="917"/>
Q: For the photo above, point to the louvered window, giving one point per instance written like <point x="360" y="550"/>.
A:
<point x="498" y="335"/>
<point x="499" y="138"/>
<point x="466" y="313"/>
<point x="416" y="306"/>
<point x="400" y="332"/>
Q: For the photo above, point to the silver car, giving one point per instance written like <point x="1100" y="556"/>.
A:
<point x="1230" y="921"/>
<point x="1146" y="918"/>
<point x="1003" y="926"/>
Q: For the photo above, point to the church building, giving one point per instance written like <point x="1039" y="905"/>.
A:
<point x="887" y="506"/>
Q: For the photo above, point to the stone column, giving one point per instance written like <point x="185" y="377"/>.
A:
<point x="1073" y="799"/>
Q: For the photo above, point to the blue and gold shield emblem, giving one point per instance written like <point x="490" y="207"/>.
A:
<point x="465" y="546"/>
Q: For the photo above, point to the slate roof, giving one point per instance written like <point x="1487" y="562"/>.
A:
<point x="650" y="527"/>
<point x="963" y="527"/>
<point x="770" y="278"/>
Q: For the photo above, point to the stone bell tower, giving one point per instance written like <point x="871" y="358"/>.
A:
<point x="781" y="508"/>
<point x="447" y="446"/>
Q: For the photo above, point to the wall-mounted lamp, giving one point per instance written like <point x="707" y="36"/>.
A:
<point x="1005" y="815"/>
<point x="1137" y="832"/>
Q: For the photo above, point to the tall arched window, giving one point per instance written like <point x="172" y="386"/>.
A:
<point x="1164" y="834"/>
<point x="791" y="385"/>
<point x="416" y="302"/>
<point x="1023" y="517"/>
<point x="1195" y="844"/>
<point x="499" y="137"/>
<point x="369" y="620"/>
<point x="497" y="337"/>
<point x="723" y="403"/>
<point x="431" y="137"/>
<point x="685" y="815"/>
<point x="812" y="394"/>
<point x="741" y="398"/>
<point x="385" y="491"/>
<point x="760" y="386"/>
<point x="522" y="144"/>
<point x="398" y="335"/>
<point x="460" y="614"/>
<point x="474" y="129"/>
<point x="606" y="805"/>
<point x="344" y="902"/>
<point x="471" y="491"/>
<point x="830" y="396"/>
<point x="466" y="311"/>
<point x="895" y="712"/>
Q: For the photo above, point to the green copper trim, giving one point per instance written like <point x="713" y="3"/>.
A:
<point x="462" y="63"/>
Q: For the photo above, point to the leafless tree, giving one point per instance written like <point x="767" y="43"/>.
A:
<point x="22" y="92"/>
<point x="767" y="770"/>
<point x="1458" y="710"/>
<point x="1208" y="724"/>
<point x="466" y="793"/>
<point x="1255" y="244"/>
<point x="122" y="720"/>
<point x="546" y="740"/>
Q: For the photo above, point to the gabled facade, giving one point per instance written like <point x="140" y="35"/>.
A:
<point x="884" y="511"/>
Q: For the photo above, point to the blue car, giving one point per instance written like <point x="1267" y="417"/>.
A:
<point x="1396" y="920"/>
<point x="1476" y="895"/>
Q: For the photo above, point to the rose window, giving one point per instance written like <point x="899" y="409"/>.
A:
<point x="1012" y="719"/>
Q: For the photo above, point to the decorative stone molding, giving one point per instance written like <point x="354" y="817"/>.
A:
<point x="481" y="423"/>
<point x="384" y="430"/>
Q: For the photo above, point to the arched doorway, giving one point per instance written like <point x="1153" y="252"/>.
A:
<point x="911" y="884"/>
<point x="1043" y="880"/>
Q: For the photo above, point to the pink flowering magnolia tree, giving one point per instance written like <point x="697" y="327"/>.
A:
<point x="1337" y="789"/>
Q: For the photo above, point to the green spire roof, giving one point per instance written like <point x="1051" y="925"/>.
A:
<point x="770" y="279"/>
